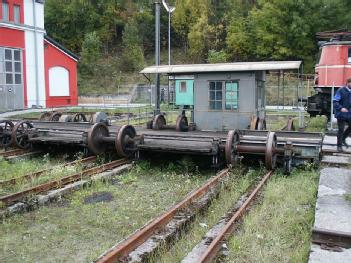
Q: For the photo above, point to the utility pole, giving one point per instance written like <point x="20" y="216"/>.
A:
<point x="157" y="55"/>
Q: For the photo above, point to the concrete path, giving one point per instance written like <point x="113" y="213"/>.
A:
<point x="333" y="208"/>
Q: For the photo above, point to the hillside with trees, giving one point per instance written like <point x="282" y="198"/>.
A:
<point x="115" y="38"/>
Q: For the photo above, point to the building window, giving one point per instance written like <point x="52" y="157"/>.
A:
<point x="182" y="88"/>
<point x="5" y="11"/>
<point x="11" y="65"/>
<point x="349" y="57"/>
<point x="231" y="95"/>
<point x="17" y="14"/>
<point x="215" y="101"/>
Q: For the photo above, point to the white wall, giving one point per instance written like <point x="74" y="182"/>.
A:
<point x="34" y="41"/>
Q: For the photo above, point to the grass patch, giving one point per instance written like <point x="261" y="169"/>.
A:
<point x="79" y="232"/>
<point x="239" y="183"/>
<point x="317" y="124"/>
<point x="348" y="197"/>
<point x="279" y="229"/>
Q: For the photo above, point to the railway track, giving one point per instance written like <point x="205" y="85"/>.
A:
<point x="13" y="153"/>
<point x="122" y="250"/>
<point x="127" y="250"/>
<point x="210" y="246"/>
<point x="37" y="174"/>
<point x="18" y="196"/>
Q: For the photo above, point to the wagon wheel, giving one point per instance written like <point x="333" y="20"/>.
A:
<point x="270" y="154"/>
<point x="290" y="125"/>
<point x="98" y="117"/>
<point x="56" y="116"/>
<point x="231" y="154"/>
<point x="159" y="122"/>
<point x="262" y="125"/>
<point x="46" y="116"/>
<point x="124" y="141"/>
<point x="95" y="135"/>
<point x="20" y="134"/>
<point x="5" y="133"/>
<point x="254" y="122"/>
<point x="79" y="117"/>
<point x="65" y="118"/>
<point x="182" y="123"/>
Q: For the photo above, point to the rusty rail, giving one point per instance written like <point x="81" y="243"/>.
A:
<point x="8" y="199"/>
<point x="30" y="176"/>
<point x="212" y="250"/>
<point x="132" y="242"/>
<point x="13" y="152"/>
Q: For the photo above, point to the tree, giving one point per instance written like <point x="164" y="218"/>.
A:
<point x="133" y="55"/>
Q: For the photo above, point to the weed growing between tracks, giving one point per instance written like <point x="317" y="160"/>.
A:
<point x="24" y="167"/>
<point x="279" y="229"/>
<point x="238" y="184"/>
<point x="78" y="230"/>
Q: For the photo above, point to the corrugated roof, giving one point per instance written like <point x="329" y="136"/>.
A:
<point x="222" y="67"/>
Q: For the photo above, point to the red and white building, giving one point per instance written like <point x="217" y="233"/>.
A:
<point x="35" y="71"/>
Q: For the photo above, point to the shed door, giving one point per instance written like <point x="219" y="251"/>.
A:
<point x="11" y="79"/>
<point x="185" y="92"/>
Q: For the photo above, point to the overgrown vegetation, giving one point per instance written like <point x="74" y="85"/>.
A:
<point x="115" y="38"/>
<point x="279" y="229"/>
<point x="80" y="228"/>
<point x="239" y="182"/>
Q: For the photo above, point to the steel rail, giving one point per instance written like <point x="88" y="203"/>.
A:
<point x="122" y="249"/>
<point x="212" y="250"/>
<point x="37" y="174"/>
<point x="8" y="199"/>
<point x="13" y="152"/>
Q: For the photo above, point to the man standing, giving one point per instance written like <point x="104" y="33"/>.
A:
<point x="342" y="108"/>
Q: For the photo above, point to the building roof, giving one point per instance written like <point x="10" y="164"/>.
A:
<point x="222" y="67"/>
<point x="61" y="47"/>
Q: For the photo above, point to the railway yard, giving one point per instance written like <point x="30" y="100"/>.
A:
<point x="100" y="189"/>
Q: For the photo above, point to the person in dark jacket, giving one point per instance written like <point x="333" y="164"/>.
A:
<point x="342" y="110"/>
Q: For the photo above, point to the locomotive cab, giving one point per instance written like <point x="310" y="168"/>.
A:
<point x="331" y="72"/>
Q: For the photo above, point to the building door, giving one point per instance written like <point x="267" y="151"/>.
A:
<point x="11" y="79"/>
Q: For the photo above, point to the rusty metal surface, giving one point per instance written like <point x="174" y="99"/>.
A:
<point x="5" y="133"/>
<point x="20" y="134"/>
<point x="210" y="254"/>
<point x="334" y="238"/>
<point x="231" y="154"/>
<point x="159" y="122"/>
<point x="13" y="152"/>
<point x="125" y="140"/>
<point x="41" y="172"/>
<point x="271" y="154"/>
<point x="11" y="198"/>
<point x="132" y="242"/>
<point x="95" y="137"/>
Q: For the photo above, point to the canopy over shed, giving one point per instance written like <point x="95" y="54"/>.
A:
<point x="222" y="67"/>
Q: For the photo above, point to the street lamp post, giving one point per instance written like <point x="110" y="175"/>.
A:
<point x="170" y="10"/>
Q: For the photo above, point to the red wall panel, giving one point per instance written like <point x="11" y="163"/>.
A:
<point x="54" y="57"/>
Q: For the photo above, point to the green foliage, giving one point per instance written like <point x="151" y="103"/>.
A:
<point x="217" y="56"/>
<point x="91" y="52"/>
<point x="132" y="56"/>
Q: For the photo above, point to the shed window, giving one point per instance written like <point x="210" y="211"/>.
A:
<point x="231" y="95"/>
<point x="182" y="88"/>
<point x="216" y="97"/>
<point x="5" y="11"/>
<point x="349" y="57"/>
<point x="16" y="14"/>
<point x="11" y="65"/>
